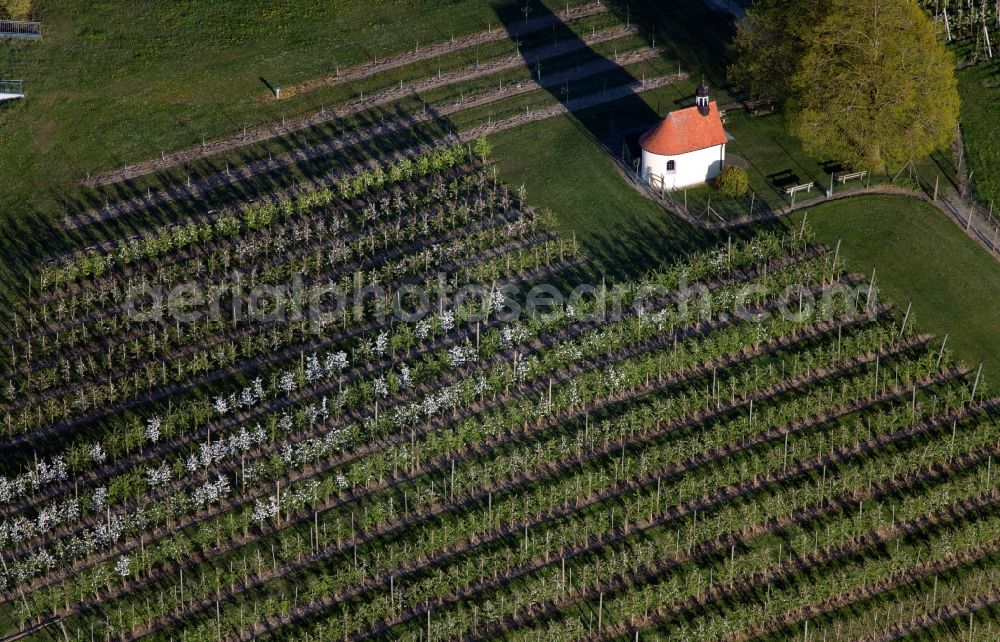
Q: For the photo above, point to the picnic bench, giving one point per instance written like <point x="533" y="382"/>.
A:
<point x="11" y="89"/>
<point x="20" y="29"/>
<point x="842" y="179"/>
<point x="795" y="189"/>
<point x="760" y="106"/>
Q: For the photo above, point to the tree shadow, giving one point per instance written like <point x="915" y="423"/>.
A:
<point x="694" y="34"/>
<point x="515" y="20"/>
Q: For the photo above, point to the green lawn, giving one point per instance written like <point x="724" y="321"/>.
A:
<point x="920" y="255"/>
<point x="774" y="156"/>
<point x="567" y="172"/>
<point x="566" y="169"/>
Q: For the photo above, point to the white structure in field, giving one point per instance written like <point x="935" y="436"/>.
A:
<point x="688" y="147"/>
<point x="11" y="89"/>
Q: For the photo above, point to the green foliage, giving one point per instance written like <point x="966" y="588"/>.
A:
<point x="979" y="87"/>
<point x="228" y="226"/>
<point x="770" y="42"/>
<point x="125" y="487"/>
<point x="864" y="96"/>
<point x="732" y="182"/>
<point x="846" y="73"/>
<point x="483" y="148"/>
<point x="15" y="9"/>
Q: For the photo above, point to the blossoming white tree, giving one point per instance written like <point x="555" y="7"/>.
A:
<point x="287" y="382"/>
<point x="381" y="343"/>
<point x="97" y="453"/>
<point x="123" y="566"/>
<point x="153" y="430"/>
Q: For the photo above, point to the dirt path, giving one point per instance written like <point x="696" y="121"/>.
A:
<point x="196" y="188"/>
<point x="368" y="69"/>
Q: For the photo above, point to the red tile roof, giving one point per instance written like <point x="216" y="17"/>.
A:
<point x="685" y="130"/>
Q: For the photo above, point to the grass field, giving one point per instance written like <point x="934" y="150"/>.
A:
<point x="921" y="256"/>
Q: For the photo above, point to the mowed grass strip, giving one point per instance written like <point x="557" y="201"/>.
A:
<point x="920" y="256"/>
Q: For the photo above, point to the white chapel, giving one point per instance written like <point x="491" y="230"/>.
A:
<point x="686" y="148"/>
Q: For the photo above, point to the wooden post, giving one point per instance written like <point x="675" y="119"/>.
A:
<point x="906" y="317"/>
<point x="976" y="384"/>
<point x="937" y="180"/>
<point x="836" y="255"/>
<point x="871" y="286"/>
<point x="941" y="352"/>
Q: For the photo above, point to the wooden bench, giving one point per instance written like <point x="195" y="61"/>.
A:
<point x="11" y="89"/>
<point x="20" y="29"/>
<point x="760" y="106"/>
<point x="795" y="189"/>
<point x="851" y="177"/>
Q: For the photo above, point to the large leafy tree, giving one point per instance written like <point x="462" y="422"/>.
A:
<point x="770" y="42"/>
<point x="876" y="86"/>
<point x="867" y="82"/>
